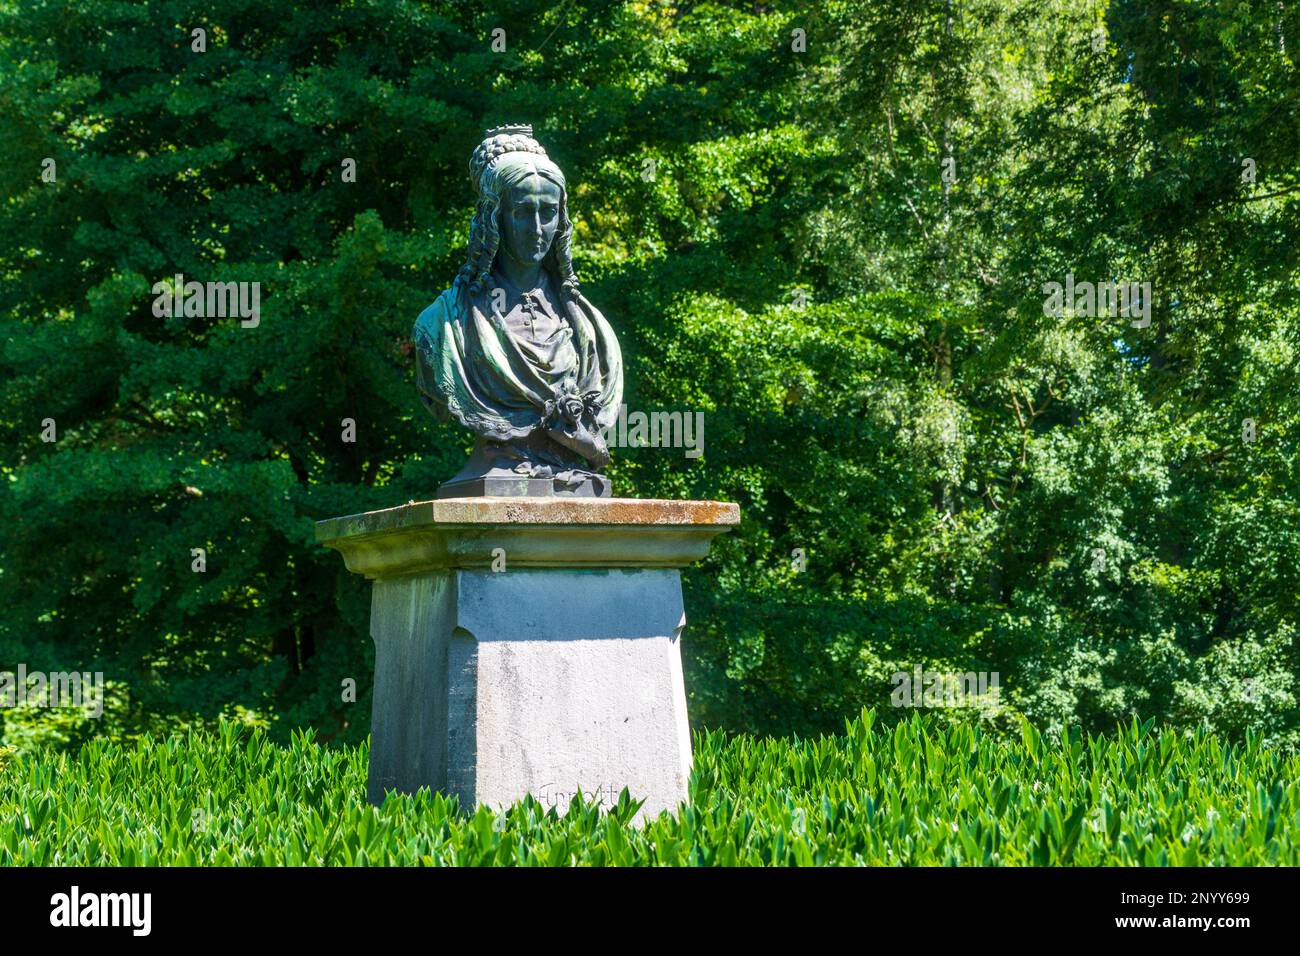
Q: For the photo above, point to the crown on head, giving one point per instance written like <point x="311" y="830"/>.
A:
<point x="499" y="141"/>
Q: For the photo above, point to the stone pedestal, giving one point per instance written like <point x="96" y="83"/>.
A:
<point x="529" y="645"/>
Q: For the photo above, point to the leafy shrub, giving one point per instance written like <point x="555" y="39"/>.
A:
<point x="918" y="794"/>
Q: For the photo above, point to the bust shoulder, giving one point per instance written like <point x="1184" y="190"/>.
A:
<point x="430" y="321"/>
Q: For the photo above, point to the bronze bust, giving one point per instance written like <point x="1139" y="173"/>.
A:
<point x="513" y="350"/>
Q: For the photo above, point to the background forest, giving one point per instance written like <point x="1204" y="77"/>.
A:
<point x="827" y="226"/>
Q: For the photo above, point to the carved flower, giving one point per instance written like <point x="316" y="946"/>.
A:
<point x="572" y="406"/>
<point x="568" y="405"/>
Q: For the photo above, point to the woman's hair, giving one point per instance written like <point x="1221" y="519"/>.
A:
<point x="503" y="162"/>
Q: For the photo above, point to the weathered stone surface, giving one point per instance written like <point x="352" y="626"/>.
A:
<point x="528" y="532"/>
<point x="493" y="685"/>
<point x="559" y="670"/>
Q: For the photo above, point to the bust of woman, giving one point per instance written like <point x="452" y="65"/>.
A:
<point x="513" y="351"/>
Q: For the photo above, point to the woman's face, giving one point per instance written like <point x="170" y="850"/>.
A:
<point x="529" y="215"/>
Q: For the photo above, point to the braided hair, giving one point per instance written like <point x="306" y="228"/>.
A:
<point x="506" y="157"/>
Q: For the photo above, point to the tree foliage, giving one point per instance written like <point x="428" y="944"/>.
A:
<point x="838" y="255"/>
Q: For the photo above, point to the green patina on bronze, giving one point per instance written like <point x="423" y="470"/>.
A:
<point x="513" y="350"/>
